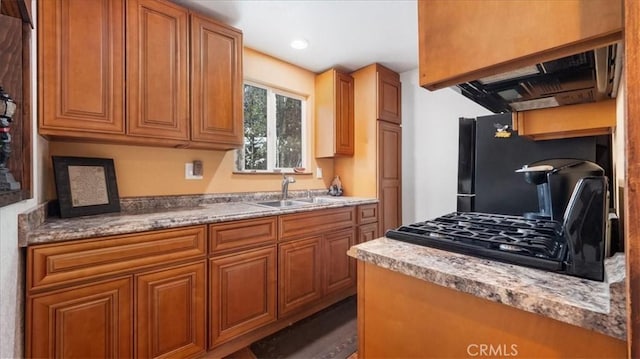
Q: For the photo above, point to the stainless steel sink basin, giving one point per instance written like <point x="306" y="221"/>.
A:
<point x="283" y="204"/>
<point x="298" y="202"/>
<point x="318" y="200"/>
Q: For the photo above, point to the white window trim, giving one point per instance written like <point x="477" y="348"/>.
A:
<point x="271" y="129"/>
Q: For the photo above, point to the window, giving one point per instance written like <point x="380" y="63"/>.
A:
<point x="274" y="130"/>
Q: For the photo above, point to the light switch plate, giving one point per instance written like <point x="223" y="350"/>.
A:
<point x="188" y="172"/>
<point x="318" y="172"/>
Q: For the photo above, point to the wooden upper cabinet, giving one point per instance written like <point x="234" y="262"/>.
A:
<point x="334" y="114"/>
<point x="216" y="83"/>
<point x="589" y="119"/>
<point x="389" y="94"/>
<point x="81" y="62"/>
<point x="465" y="40"/>
<point x="157" y="70"/>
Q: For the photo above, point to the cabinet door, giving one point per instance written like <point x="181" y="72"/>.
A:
<point x="344" y="126"/>
<point x="157" y="70"/>
<point x="334" y="107"/>
<point x="81" y="61"/>
<point x="242" y="289"/>
<point x="367" y="232"/>
<point x="93" y="321"/>
<point x="170" y="312"/>
<point x="299" y="274"/>
<point x="216" y="83"/>
<point x="340" y="270"/>
<point x="463" y="40"/>
<point x="389" y="175"/>
<point x="389" y="95"/>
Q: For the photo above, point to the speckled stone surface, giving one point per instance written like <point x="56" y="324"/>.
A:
<point x="598" y="306"/>
<point x="166" y="212"/>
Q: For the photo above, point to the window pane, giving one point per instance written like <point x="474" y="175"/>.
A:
<point x="289" y="132"/>
<point x="255" y="128"/>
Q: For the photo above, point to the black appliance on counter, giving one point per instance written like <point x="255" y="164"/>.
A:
<point x="489" y="153"/>
<point x="554" y="191"/>
<point x="573" y="244"/>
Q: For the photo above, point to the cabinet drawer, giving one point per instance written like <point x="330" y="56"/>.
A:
<point x="241" y="234"/>
<point x="301" y="224"/>
<point x="368" y="213"/>
<point x="57" y="263"/>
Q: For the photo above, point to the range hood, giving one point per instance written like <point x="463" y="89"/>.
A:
<point x="585" y="77"/>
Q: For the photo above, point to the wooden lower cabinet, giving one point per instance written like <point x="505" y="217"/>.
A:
<point x="88" y="321"/>
<point x="367" y="232"/>
<point x="311" y="269"/>
<point x="299" y="274"/>
<point x="242" y="292"/>
<point x="339" y="268"/>
<point x="163" y="293"/>
<point x="170" y="312"/>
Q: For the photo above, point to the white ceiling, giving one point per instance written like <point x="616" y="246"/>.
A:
<point x="347" y="34"/>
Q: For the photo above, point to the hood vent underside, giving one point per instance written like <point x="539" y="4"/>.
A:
<point x="586" y="77"/>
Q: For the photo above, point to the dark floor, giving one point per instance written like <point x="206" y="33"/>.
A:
<point x="330" y="333"/>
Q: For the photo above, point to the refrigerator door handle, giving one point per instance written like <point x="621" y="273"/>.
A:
<point x="466" y="195"/>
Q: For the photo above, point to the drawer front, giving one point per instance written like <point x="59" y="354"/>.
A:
<point x="298" y="225"/>
<point x="368" y="213"/>
<point x="49" y="265"/>
<point x="242" y="234"/>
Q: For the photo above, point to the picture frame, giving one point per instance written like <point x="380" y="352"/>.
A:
<point x="85" y="186"/>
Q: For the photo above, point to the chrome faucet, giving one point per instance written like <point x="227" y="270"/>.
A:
<point x="285" y="186"/>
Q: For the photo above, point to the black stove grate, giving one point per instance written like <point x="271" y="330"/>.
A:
<point x="536" y="243"/>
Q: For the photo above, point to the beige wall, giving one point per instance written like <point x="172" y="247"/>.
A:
<point x="148" y="171"/>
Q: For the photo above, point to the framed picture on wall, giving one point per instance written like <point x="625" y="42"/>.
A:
<point x="85" y="186"/>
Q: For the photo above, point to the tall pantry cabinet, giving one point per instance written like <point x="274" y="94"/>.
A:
<point x="375" y="168"/>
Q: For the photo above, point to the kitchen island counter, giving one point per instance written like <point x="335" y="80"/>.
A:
<point x="596" y="306"/>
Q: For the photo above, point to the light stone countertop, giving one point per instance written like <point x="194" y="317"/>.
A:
<point x="598" y="306"/>
<point x="59" y="229"/>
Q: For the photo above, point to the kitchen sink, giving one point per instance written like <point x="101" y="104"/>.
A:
<point x="283" y="204"/>
<point x="319" y="200"/>
<point x="298" y="202"/>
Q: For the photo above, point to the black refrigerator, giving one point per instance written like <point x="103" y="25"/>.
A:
<point x="489" y="153"/>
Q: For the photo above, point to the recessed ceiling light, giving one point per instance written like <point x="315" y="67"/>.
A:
<point x="299" y="44"/>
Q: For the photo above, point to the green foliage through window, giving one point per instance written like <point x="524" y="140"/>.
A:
<point x="274" y="130"/>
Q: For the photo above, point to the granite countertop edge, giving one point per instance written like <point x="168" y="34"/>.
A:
<point x="54" y="230"/>
<point x="597" y="306"/>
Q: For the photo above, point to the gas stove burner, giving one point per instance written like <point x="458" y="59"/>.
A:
<point x="534" y="242"/>
<point x="526" y="231"/>
<point x="508" y="238"/>
<point x="511" y="248"/>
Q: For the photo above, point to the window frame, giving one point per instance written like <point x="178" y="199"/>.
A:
<point x="272" y="131"/>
